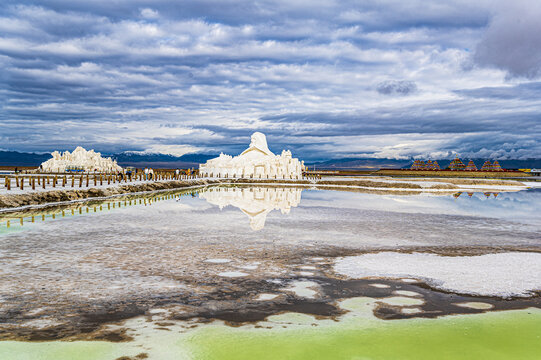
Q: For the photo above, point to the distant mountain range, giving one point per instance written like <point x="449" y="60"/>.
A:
<point x="14" y="158"/>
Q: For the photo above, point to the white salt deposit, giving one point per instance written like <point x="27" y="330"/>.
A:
<point x="409" y="281"/>
<point x="476" y="305"/>
<point x="252" y="266"/>
<point x="380" y="286"/>
<point x="266" y="297"/>
<point x="303" y="289"/>
<point x="411" y="310"/>
<point x="401" y="301"/>
<point x="81" y="159"/>
<point x="218" y="261"/>
<point x="503" y="274"/>
<point x="406" y="293"/>
<point x="232" y="274"/>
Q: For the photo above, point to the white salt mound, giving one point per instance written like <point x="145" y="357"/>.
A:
<point x="503" y="275"/>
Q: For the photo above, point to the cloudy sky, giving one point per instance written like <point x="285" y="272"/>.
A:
<point x="326" y="79"/>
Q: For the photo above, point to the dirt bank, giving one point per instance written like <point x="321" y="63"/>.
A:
<point x="55" y="196"/>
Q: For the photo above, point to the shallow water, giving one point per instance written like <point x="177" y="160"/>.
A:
<point x="213" y="252"/>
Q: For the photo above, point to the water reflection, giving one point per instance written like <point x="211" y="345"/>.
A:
<point x="255" y="202"/>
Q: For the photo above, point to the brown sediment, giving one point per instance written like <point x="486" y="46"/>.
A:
<point x="140" y="356"/>
<point x="233" y="300"/>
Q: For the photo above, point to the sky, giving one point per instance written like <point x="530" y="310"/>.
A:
<point x="327" y="79"/>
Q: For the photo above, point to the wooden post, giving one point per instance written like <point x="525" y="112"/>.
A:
<point x="17" y="181"/>
<point x="81" y="181"/>
<point x="54" y="181"/>
<point x="72" y="181"/>
<point x="95" y="180"/>
<point x="22" y="183"/>
<point x="109" y="180"/>
<point x="86" y="180"/>
<point x="64" y="179"/>
<point x="33" y="183"/>
<point x="101" y="179"/>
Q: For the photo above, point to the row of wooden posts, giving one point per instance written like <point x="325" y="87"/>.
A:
<point x="111" y="204"/>
<point x="38" y="181"/>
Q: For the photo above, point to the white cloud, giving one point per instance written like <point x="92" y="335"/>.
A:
<point x="149" y="13"/>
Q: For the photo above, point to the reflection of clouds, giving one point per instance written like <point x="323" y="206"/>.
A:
<point x="254" y="202"/>
<point x="521" y="206"/>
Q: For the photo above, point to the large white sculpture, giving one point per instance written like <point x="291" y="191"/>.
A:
<point x="256" y="162"/>
<point x="80" y="159"/>
<point x="255" y="202"/>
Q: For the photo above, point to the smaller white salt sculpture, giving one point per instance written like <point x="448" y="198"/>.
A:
<point x="80" y="159"/>
<point x="256" y="162"/>
<point x="256" y="203"/>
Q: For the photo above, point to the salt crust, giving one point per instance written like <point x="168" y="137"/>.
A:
<point x="380" y="286"/>
<point x="303" y="289"/>
<point x="266" y="297"/>
<point x="217" y="261"/>
<point x="232" y="274"/>
<point x="475" y="305"/>
<point x="503" y="274"/>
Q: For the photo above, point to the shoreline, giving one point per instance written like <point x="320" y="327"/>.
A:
<point x="18" y="201"/>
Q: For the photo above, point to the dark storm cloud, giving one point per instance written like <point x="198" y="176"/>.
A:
<point x="398" y="87"/>
<point x="512" y="41"/>
<point x="201" y="76"/>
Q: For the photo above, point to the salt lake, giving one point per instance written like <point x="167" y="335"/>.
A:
<point x="274" y="272"/>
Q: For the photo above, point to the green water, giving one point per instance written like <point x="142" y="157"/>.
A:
<point x="501" y="335"/>
<point x="357" y="336"/>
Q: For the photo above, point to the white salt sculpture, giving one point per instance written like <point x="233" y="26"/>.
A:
<point x="80" y="159"/>
<point x="255" y="202"/>
<point x="256" y="162"/>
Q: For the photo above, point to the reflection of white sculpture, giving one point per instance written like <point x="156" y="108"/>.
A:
<point x="255" y="202"/>
<point x="256" y="162"/>
<point x="81" y="159"/>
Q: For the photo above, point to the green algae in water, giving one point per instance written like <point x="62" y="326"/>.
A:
<point x="358" y="336"/>
<point x="503" y="335"/>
